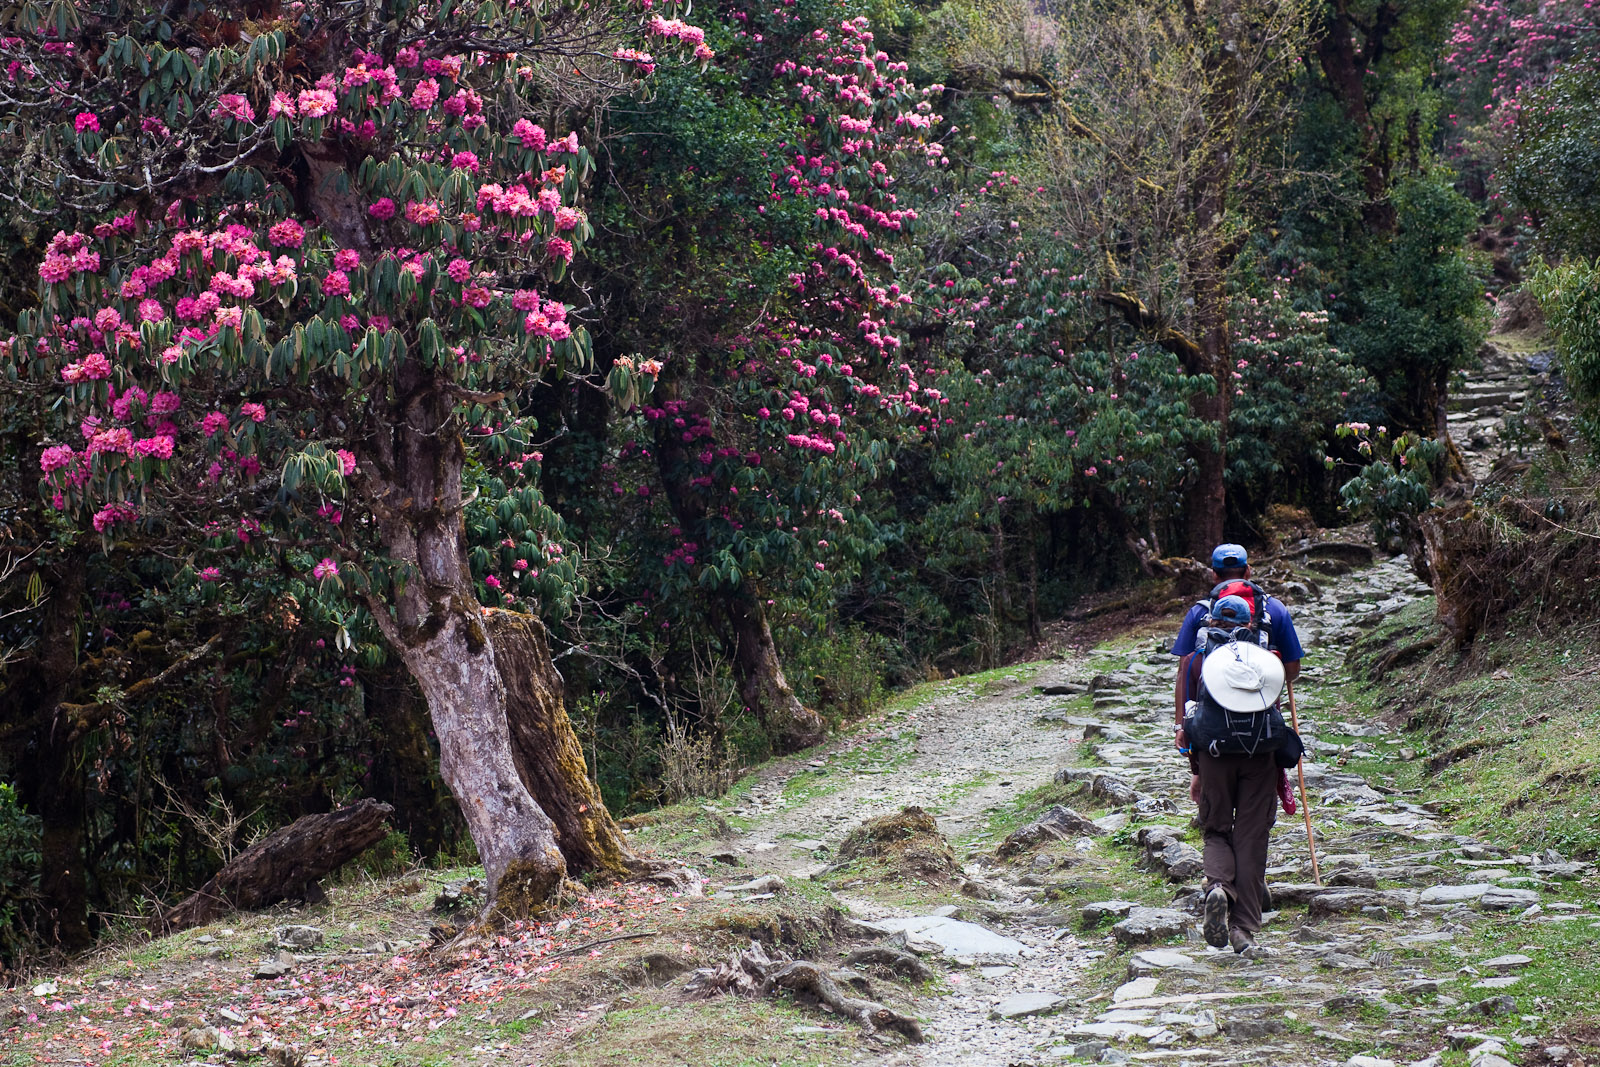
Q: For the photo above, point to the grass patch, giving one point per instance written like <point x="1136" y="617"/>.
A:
<point x="661" y="1031"/>
<point x="1503" y="732"/>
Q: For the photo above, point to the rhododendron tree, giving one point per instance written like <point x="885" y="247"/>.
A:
<point x="316" y="261"/>
<point x="775" y="306"/>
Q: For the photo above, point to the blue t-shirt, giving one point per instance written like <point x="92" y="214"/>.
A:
<point x="1284" y="640"/>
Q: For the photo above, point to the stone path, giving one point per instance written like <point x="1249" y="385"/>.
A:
<point x="1346" y="973"/>
<point x="1344" y="969"/>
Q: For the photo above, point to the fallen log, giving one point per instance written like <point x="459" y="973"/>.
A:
<point x="284" y="865"/>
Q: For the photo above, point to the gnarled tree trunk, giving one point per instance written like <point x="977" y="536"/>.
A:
<point x="50" y="774"/>
<point x="547" y="753"/>
<point x="414" y="481"/>
<point x="790" y="724"/>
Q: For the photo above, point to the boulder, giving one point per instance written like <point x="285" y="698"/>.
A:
<point x="297" y="938"/>
<point x="1023" y="1005"/>
<point x="1500" y="899"/>
<point x="1057" y="824"/>
<point x="1144" y="926"/>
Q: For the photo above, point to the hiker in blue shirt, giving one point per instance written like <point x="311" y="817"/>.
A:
<point x="1237" y="796"/>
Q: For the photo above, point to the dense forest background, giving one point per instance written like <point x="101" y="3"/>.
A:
<point x="774" y="355"/>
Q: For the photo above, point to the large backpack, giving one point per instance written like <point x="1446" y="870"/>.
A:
<point x="1212" y="728"/>
<point x="1261" y="620"/>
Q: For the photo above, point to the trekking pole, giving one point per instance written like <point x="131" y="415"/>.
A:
<point x="1305" y="803"/>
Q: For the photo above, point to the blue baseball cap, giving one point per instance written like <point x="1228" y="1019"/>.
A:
<point x="1231" y="611"/>
<point x="1225" y="556"/>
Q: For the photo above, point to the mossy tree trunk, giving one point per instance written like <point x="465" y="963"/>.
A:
<point x="50" y="776"/>
<point x="763" y="687"/>
<point x="546" y="750"/>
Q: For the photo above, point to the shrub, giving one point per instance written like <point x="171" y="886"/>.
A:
<point x="19" y="874"/>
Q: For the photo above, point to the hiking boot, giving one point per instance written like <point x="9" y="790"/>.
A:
<point x="1216" y="917"/>
<point x="1240" y="941"/>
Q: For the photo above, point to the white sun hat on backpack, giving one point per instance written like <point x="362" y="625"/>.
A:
<point x="1243" y="677"/>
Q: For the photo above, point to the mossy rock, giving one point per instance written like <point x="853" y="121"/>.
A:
<point x="907" y="842"/>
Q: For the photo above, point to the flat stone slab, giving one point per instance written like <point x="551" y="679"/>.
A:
<point x="1351" y="901"/>
<point x="1508" y="962"/>
<point x="1453" y="894"/>
<point x="1137" y="989"/>
<point x="1146" y="925"/>
<point x="1116" y="1031"/>
<point x="1499" y="899"/>
<point x="1161" y="959"/>
<point x="1023" y="1005"/>
<point x="954" y="937"/>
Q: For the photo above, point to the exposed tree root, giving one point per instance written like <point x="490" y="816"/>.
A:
<point x="754" y="973"/>
<point x="896" y="962"/>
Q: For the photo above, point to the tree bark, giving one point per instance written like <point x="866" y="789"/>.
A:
<point x="547" y="753"/>
<point x="1345" y="68"/>
<point x="438" y="629"/>
<point x="762" y="685"/>
<point x="50" y="772"/>
<point x="285" y="865"/>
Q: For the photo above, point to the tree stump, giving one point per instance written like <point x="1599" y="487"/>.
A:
<point x="285" y="865"/>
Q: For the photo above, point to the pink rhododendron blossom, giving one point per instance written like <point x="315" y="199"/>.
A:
<point x="425" y="94"/>
<point x="421" y="214"/>
<point x="336" y="283"/>
<point x="531" y="136"/>
<point x="281" y="104"/>
<point x="286" y="234"/>
<point x="346" y="259"/>
<point x="159" y="447"/>
<point x="55" y="457"/>
<point x="347" y="462"/>
<point x="253" y="412"/>
<point x="211" y="574"/>
<point x="113" y="513"/>
<point x="316" y="103"/>
<point x="459" y="270"/>
<point x="234" y="106"/>
<point x="325" y="569"/>
<point x="86" y="121"/>
<point x="557" y="248"/>
<point x="214" y="423"/>
<point x="382" y="208"/>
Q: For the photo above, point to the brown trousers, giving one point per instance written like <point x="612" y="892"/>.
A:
<point x="1238" y="805"/>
